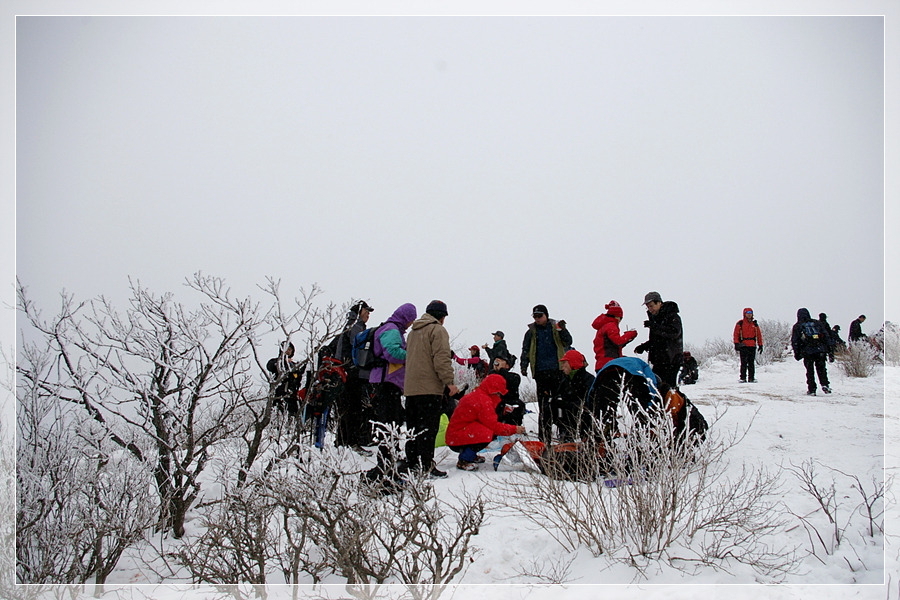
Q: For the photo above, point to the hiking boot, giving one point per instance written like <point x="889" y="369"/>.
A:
<point x="479" y="459"/>
<point x="360" y="450"/>
<point x="437" y="474"/>
<point x="752" y="381"/>
<point x="826" y="389"/>
<point x="811" y="393"/>
<point x="463" y="465"/>
<point x="742" y="380"/>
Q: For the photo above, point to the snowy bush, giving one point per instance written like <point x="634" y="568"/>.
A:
<point x="859" y="359"/>
<point x="82" y="501"/>
<point x="890" y="343"/>
<point x="776" y="341"/>
<point x="670" y="497"/>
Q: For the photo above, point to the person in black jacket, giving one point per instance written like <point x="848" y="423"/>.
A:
<point x="353" y="416"/>
<point x="665" y="345"/>
<point x="511" y="409"/>
<point x="856" y="333"/>
<point x="573" y="391"/>
<point x="498" y="349"/>
<point x="812" y="344"/>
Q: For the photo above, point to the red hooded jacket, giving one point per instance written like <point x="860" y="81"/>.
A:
<point x="475" y="419"/>
<point x="608" y="342"/>
<point x="747" y="332"/>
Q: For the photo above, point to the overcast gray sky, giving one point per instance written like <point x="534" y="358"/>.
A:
<point x="491" y="162"/>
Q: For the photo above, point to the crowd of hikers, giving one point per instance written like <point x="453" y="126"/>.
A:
<point x="401" y="372"/>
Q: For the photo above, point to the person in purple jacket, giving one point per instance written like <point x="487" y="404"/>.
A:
<point x="387" y="377"/>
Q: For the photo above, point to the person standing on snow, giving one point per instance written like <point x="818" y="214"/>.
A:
<point x="544" y="344"/>
<point x="856" y="333"/>
<point x="498" y="349"/>
<point x="608" y="342"/>
<point x="429" y="370"/>
<point x="812" y="345"/>
<point x="388" y="378"/>
<point x="665" y="345"/>
<point x="474" y="362"/>
<point x="352" y="428"/>
<point x="747" y="341"/>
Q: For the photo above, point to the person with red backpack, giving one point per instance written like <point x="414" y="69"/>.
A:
<point x="608" y="342"/>
<point x="747" y="341"/>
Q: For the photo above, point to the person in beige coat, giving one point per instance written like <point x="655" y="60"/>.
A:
<point x="429" y="371"/>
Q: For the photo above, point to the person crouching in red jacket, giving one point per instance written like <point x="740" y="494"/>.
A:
<point x="474" y="422"/>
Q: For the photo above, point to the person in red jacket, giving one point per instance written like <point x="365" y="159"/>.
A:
<point x="747" y="340"/>
<point x="608" y="342"/>
<point x="474" y="422"/>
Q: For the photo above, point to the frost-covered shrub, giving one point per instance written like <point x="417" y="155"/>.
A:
<point x="712" y="348"/>
<point x="776" y="340"/>
<point x="890" y="343"/>
<point x="859" y="359"/>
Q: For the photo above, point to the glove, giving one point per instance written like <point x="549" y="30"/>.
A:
<point x="737" y="347"/>
<point x="452" y="354"/>
<point x="524" y="371"/>
<point x="831" y="358"/>
<point x="759" y="349"/>
<point x="647" y="323"/>
<point x="639" y="349"/>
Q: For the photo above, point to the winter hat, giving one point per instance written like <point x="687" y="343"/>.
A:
<point x="475" y="349"/>
<point x="493" y="384"/>
<point x="823" y="317"/>
<point x="540" y="308"/>
<point x="437" y="309"/>
<point x="613" y="309"/>
<point x="652" y="297"/>
<point x="748" y="310"/>
<point x="574" y="358"/>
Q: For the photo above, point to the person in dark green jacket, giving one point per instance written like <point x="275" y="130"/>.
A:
<point x="545" y="342"/>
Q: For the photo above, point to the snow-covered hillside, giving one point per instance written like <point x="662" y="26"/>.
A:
<point x="852" y="433"/>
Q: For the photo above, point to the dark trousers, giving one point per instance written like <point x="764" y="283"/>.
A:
<point x="668" y="372"/>
<point x="388" y="409"/>
<point x="748" y="362"/>
<point x="351" y="427"/>
<point x="547" y="389"/>
<point x="423" y="414"/>
<point x="815" y="364"/>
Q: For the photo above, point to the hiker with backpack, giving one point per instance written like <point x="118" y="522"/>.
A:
<point x="429" y="372"/>
<point x="573" y="391"/>
<point x="545" y="342"/>
<point x="287" y="379"/>
<point x="665" y="344"/>
<point x="608" y="342"/>
<point x="353" y="418"/>
<point x="474" y="362"/>
<point x="474" y="423"/>
<point x="387" y="375"/>
<point x="812" y="344"/>
<point x="747" y="341"/>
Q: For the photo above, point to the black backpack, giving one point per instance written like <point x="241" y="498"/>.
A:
<point x="364" y="349"/>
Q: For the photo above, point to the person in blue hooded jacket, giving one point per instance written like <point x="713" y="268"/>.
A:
<point x="812" y="345"/>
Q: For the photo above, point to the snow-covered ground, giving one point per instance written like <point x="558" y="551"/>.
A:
<point x="854" y="431"/>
